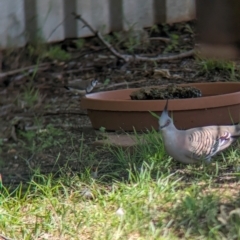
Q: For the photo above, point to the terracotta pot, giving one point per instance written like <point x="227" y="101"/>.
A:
<point x="114" y="110"/>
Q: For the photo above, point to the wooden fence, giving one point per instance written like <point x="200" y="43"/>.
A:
<point x="23" y="20"/>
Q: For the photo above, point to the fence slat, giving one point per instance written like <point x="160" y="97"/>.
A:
<point x="12" y="23"/>
<point x="51" y="20"/>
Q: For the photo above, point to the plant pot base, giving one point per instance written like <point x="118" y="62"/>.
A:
<point x="114" y="110"/>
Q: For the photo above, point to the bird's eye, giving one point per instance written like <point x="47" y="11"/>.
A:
<point x="165" y="125"/>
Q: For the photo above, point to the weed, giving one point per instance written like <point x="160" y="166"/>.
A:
<point x="136" y="39"/>
<point x="111" y="39"/>
<point x="189" y="29"/>
<point x="173" y="45"/>
<point x="80" y="43"/>
<point x="30" y="97"/>
<point x="154" y="29"/>
<point x="211" y="66"/>
<point x="56" y="53"/>
<point x="37" y="141"/>
<point x="131" y="43"/>
<point x="37" y="47"/>
<point x="118" y="37"/>
<point x="129" y="40"/>
<point x="106" y="82"/>
<point x="102" y="129"/>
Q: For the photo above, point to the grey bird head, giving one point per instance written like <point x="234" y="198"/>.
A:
<point x="92" y="85"/>
<point x="94" y="82"/>
<point x="165" y="121"/>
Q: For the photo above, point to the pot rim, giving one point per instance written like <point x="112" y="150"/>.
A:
<point x="93" y="102"/>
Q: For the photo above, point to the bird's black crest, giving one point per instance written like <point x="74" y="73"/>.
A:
<point x="166" y="106"/>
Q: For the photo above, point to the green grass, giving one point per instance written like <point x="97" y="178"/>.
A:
<point x="129" y="40"/>
<point x="142" y="195"/>
<point x="37" y="141"/>
<point x="56" y="53"/>
<point x="41" y="50"/>
<point x="30" y="97"/>
<point x="37" y="48"/>
<point x="212" y="66"/>
<point x="173" y="45"/>
<point x="80" y="43"/>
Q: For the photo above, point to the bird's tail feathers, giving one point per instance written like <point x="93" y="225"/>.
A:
<point x="236" y="134"/>
<point x="68" y="88"/>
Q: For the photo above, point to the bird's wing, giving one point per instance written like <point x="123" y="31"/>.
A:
<point x="205" y="143"/>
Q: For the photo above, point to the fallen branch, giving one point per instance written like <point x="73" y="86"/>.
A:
<point x="163" y="39"/>
<point x="79" y="70"/>
<point x="87" y="53"/>
<point x="100" y="37"/>
<point x="126" y="57"/>
<point x="166" y="58"/>
<point x="120" y="84"/>
<point x="2" y="237"/>
<point x="4" y="110"/>
<point x="61" y="113"/>
<point x="29" y="68"/>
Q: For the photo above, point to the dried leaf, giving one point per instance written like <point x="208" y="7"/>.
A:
<point x="162" y="72"/>
<point x="13" y="133"/>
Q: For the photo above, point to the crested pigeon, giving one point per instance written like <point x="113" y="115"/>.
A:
<point x="195" y="144"/>
<point x="82" y="87"/>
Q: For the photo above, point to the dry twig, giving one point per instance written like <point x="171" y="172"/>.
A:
<point x="29" y="68"/>
<point x="79" y="70"/>
<point x="63" y="113"/>
<point x="100" y="37"/>
<point x="163" y="39"/>
<point x="126" y="57"/>
<point x="2" y="237"/>
<point x="121" y="84"/>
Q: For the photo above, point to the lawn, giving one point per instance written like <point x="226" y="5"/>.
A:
<point x="139" y="195"/>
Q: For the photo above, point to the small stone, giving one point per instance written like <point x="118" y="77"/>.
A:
<point x="120" y="212"/>
<point x="127" y="142"/>
<point x="162" y="72"/>
<point x="87" y="194"/>
<point x="94" y="174"/>
<point x="12" y="150"/>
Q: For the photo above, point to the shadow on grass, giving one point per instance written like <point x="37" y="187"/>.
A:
<point x="55" y="152"/>
<point x="189" y="197"/>
<point x="207" y="215"/>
